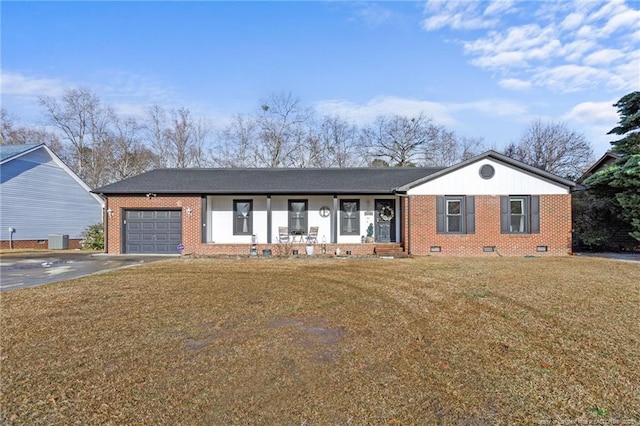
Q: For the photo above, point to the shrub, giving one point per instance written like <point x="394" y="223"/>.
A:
<point x="93" y="237"/>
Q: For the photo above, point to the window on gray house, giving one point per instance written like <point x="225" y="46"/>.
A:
<point x="349" y="217"/>
<point x="242" y="217"/>
<point x="455" y="214"/>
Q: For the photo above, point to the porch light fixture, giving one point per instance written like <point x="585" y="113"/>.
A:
<point x="189" y="212"/>
<point x="109" y="212"/>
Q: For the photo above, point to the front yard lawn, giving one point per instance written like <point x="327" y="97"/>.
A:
<point x="327" y="341"/>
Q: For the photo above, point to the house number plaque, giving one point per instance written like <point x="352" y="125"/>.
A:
<point x="325" y="211"/>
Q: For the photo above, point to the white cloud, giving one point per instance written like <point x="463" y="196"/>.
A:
<point x="493" y="107"/>
<point x="373" y="14"/>
<point x="515" y="48"/>
<point x="497" y="7"/>
<point x="362" y="114"/>
<point x="566" y="46"/>
<point x="571" y="78"/>
<point x="458" y="15"/>
<point x="593" y="112"/>
<point x="573" y="20"/>
<point x="16" y="84"/>
<point x="575" y="50"/>
<point x="595" y="119"/>
<point x="603" y="57"/>
<point x="129" y="94"/>
<point x="514" y="84"/>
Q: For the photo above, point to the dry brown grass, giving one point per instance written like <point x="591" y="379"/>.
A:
<point x="328" y="341"/>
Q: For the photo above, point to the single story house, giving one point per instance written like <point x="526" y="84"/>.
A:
<point x="41" y="197"/>
<point x="487" y="205"/>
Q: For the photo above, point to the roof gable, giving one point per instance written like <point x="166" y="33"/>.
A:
<point x="28" y="152"/>
<point x="497" y="158"/>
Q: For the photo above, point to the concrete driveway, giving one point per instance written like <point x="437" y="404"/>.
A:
<point x="22" y="270"/>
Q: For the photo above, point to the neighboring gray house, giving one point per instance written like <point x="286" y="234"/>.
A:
<point x="39" y="196"/>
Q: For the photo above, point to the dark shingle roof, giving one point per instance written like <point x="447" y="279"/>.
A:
<point x="268" y="181"/>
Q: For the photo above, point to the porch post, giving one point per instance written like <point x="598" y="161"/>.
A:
<point x="334" y="221"/>
<point x="203" y="219"/>
<point x="268" y="219"/>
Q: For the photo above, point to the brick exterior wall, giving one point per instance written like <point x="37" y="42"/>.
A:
<point x="191" y="225"/>
<point x="36" y="244"/>
<point x="418" y="229"/>
<point x="555" y="229"/>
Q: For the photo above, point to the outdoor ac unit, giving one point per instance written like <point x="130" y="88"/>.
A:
<point x="58" y="242"/>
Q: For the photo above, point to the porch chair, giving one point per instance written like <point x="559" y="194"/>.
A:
<point x="283" y="234"/>
<point x="312" y="237"/>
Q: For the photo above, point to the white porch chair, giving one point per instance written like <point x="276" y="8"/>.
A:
<point x="283" y="234"/>
<point x="312" y="237"/>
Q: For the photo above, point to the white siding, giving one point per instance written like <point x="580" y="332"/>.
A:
<point x="38" y="197"/>
<point x="507" y="180"/>
<point x="220" y="217"/>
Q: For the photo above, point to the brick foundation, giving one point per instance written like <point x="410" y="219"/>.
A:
<point x="36" y="244"/>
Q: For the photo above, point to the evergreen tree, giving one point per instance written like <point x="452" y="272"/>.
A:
<point x="622" y="179"/>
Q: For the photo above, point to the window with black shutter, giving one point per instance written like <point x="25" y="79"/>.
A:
<point x="520" y="214"/>
<point x="455" y="214"/>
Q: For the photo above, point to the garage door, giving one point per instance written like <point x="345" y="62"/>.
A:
<point x="152" y="231"/>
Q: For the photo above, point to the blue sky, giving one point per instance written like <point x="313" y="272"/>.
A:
<point x="481" y="68"/>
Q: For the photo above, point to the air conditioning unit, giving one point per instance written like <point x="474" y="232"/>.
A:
<point x="58" y="242"/>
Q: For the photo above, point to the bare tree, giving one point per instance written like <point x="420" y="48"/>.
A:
<point x="236" y="143"/>
<point x="80" y="118"/>
<point x="447" y="149"/>
<point x="13" y="134"/>
<point x="130" y="156"/>
<point x="84" y="123"/>
<point x="338" y="144"/>
<point x="400" y="140"/>
<point x="554" y="148"/>
<point x="177" y="139"/>
<point x="281" y="131"/>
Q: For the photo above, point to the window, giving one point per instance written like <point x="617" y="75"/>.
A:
<point x="242" y="217"/>
<point x="349" y="217"/>
<point x="455" y="214"/>
<point x="520" y="214"/>
<point x="298" y="216"/>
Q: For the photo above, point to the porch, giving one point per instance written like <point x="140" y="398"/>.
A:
<point x="339" y="220"/>
<point x="300" y="249"/>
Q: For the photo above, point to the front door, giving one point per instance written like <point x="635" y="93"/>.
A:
<point x="385" y="221"/>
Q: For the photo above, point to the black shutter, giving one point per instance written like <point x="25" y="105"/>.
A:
<point x="471" y="214"/>
<point x="535" y="214"/>
<point x="440" y="216"/>
<point x="504" y="214"/>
